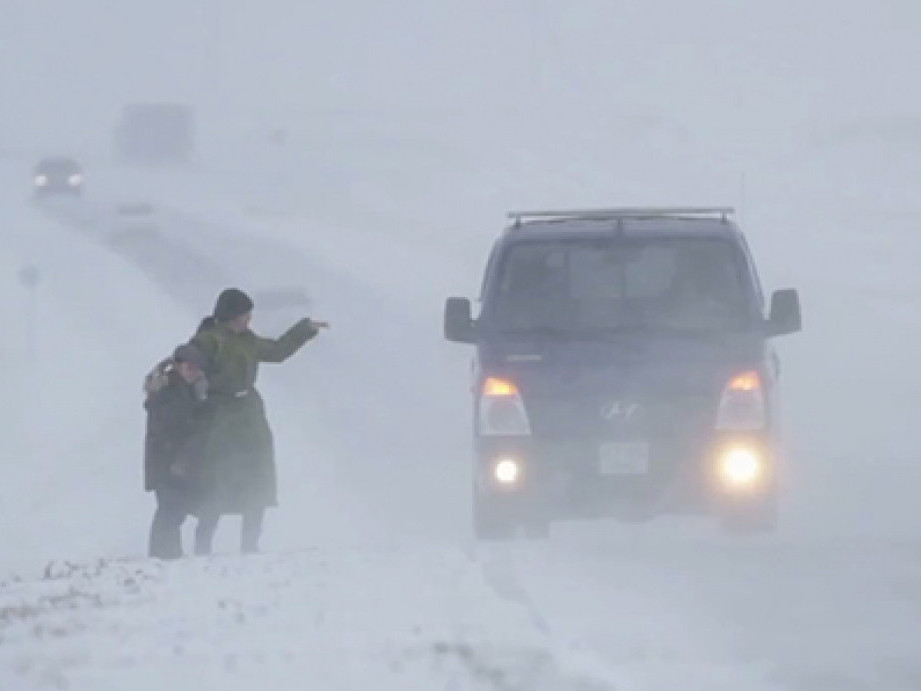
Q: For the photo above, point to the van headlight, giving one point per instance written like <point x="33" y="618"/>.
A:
<point x="741" y="468"/>
<point x="507" y="471"/>
<point x="40" y="180"/>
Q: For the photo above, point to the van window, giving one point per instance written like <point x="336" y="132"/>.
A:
<point x="575" y="287"/>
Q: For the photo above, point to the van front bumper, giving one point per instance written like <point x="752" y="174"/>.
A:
<point x="571" y="478"/>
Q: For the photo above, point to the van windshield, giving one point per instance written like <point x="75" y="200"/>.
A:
<point x="588" y="287"/>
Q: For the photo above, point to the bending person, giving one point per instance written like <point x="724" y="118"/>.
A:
<point x="173" y="445"/>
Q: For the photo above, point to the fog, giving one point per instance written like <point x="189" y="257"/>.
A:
<point x="366" y="154"/>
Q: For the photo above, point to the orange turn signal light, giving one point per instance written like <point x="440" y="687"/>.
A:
<point x="494" y="386"/>
<point x="746" y="381"/>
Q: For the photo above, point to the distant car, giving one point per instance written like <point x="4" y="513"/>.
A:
<point x="57" y="176"/>
<point x="624" y="367"/>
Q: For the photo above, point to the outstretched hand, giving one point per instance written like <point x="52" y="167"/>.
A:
<point x="319" y="324"/>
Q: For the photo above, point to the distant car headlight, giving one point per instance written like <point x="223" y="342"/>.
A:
<point x="41" y="180"/>
<point x="75" y="180"/>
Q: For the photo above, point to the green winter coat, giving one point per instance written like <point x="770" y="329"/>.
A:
<point x="239" y="463"/>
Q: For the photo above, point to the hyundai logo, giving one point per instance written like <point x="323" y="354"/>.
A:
<point x="620" y="411"/>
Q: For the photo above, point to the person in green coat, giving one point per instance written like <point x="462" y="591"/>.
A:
<point x="239" y="459"/>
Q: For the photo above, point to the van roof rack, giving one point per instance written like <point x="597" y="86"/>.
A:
<point x="722" y="212"/>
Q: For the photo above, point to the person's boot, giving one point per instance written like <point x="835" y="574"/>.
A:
<point x="204" y="535"/>
<point x="251" y="531"/>
<point x="165" y="537"/>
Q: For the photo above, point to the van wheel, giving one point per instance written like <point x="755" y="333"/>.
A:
<point x="490" y="521"/>
<point x="759" y="519"/>
<point x="536" y="529"/>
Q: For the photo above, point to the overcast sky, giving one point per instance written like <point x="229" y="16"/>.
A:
<point x="728" y="68"/>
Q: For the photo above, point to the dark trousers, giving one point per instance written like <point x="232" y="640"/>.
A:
<point x="250" y="531"/>
<point x="166" y="530"/>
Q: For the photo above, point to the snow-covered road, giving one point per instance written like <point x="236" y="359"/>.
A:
<point x="798" y="615"/>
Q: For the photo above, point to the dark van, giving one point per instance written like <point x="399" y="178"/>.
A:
<point x="623" y="368"/>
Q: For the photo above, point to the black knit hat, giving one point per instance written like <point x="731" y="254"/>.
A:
<point x="187" y="352"/>
<point x="231" y="304"/>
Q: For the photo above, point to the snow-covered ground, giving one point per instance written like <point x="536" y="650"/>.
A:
<point x="426" y="618"/>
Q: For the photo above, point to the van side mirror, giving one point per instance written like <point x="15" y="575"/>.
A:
<point x="785" y="317"/>
<point x="459" y="325"/>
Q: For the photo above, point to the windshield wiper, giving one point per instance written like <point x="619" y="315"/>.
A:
<point x="680" y="332"/>
<point x="540" y="331"/>
<point x="621" y="336"/>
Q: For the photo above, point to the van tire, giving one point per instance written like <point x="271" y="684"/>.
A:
<point x="760" y="519"/>
<point x="490" y="521"/>
<point x="536" y="529"/>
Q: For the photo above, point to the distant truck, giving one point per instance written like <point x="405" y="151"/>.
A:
<point x="155" y="133"/>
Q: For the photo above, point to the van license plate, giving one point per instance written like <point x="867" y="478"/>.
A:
<point x="624" y="458"/>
